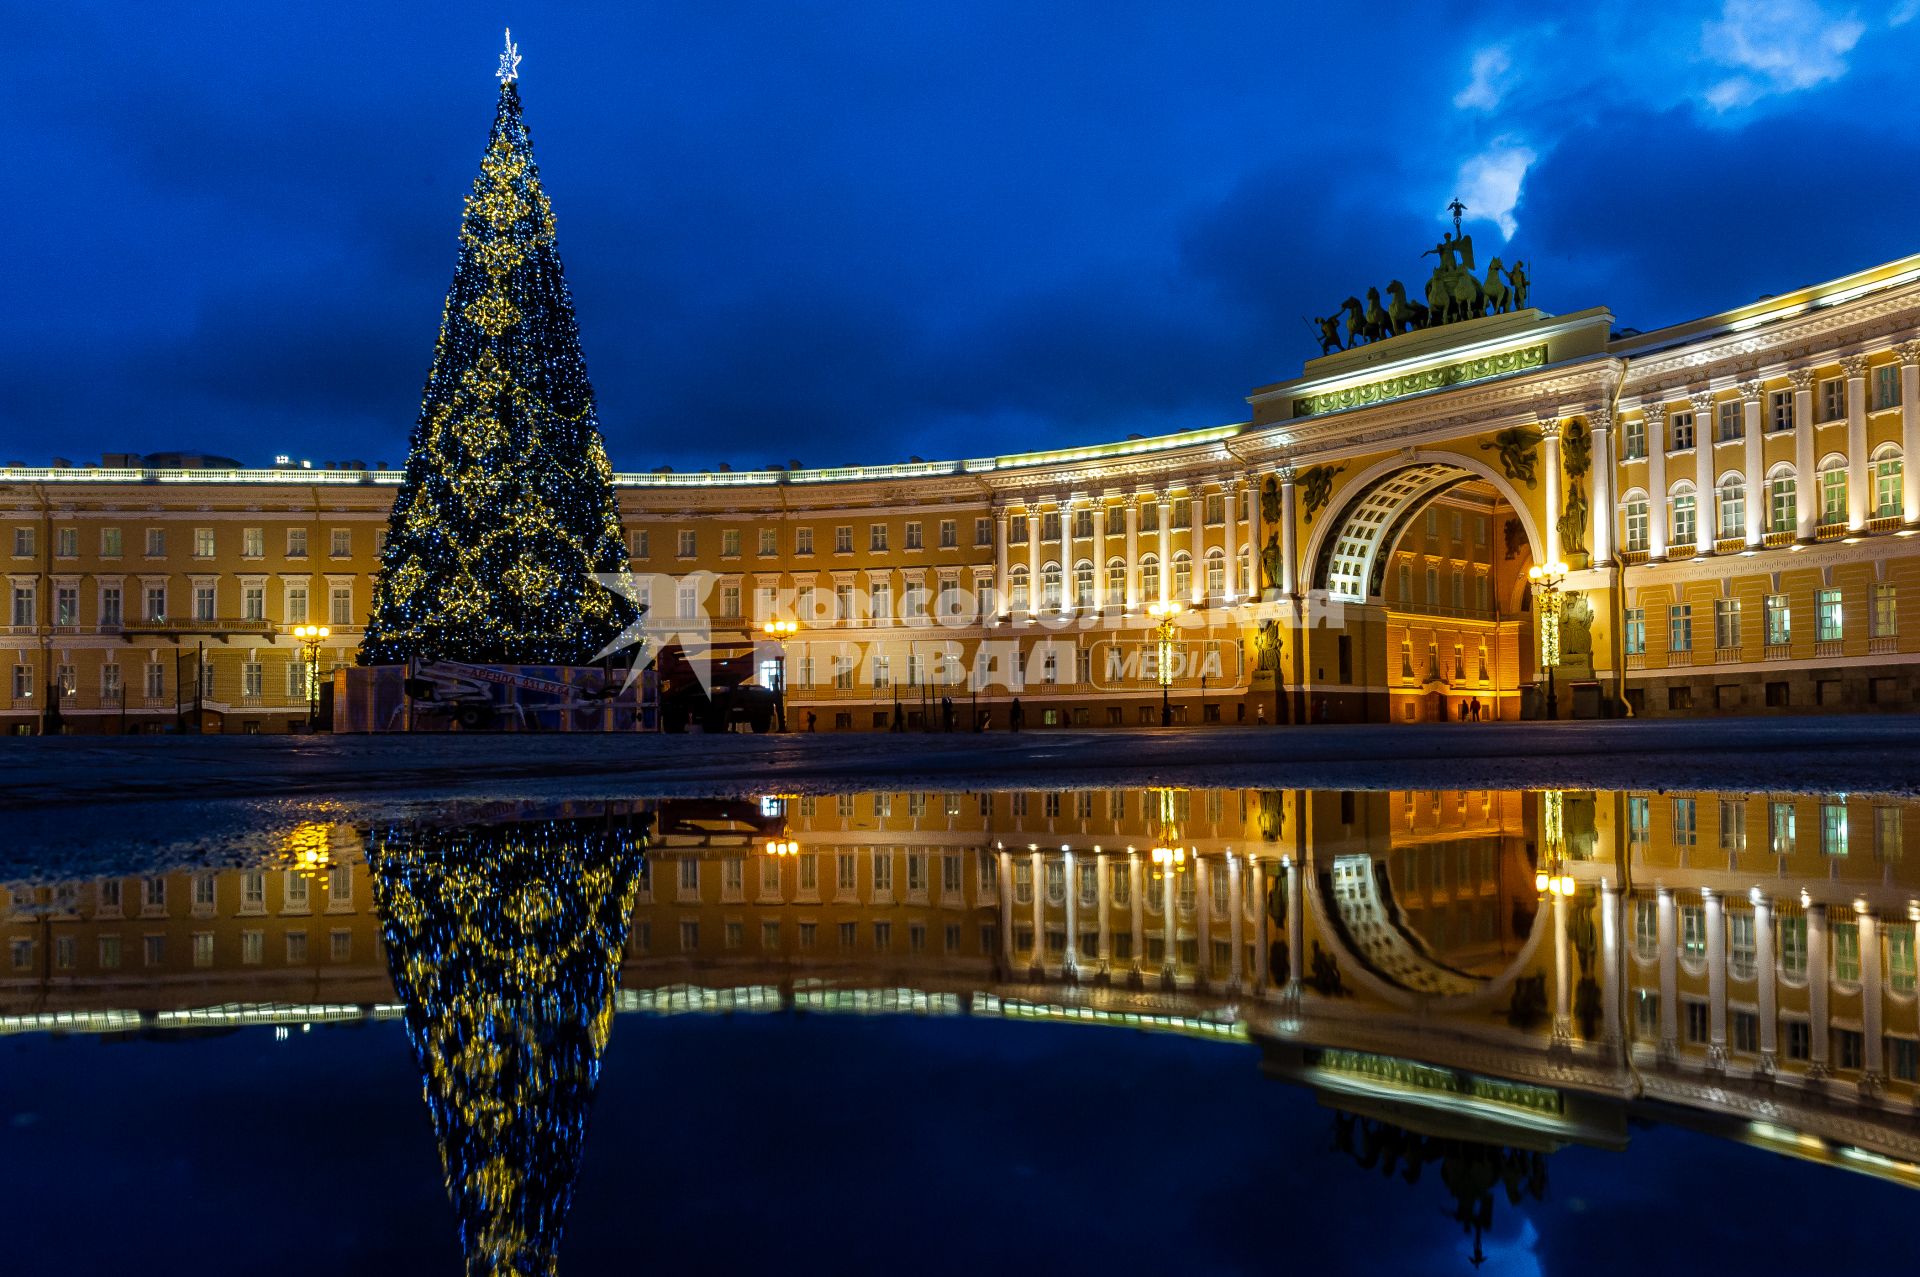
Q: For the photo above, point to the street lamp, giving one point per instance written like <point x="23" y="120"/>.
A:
<point x="311" y="637"/>
<point x="1165" y="613"/>
<point x="1546" y="579"/>
<point x="778" y="632"/>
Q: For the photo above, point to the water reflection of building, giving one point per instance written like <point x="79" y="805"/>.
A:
<point x="1746" y="962"/>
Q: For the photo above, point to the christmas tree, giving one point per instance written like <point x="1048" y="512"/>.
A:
<point x="506" y="509"/>
<point x="504" y="943"/>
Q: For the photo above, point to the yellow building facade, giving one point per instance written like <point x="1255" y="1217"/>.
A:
<point x="1729" y="498"/>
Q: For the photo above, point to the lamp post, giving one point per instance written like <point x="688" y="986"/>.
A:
<point x="310" y="638"/>
<point x="1546" y="579"/>
<point x="1164" y="613"/>
<point x="778" y="631"/>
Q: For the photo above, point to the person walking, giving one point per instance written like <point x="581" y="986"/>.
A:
<point x="1016" y="716"/>
<point x="812" y="718"/>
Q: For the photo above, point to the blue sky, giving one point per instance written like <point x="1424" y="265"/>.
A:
<point x="843" y="232"/>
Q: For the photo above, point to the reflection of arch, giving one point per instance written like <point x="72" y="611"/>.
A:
<point x="1347" y="555"/>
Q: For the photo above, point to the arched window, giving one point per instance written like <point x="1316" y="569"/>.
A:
<point x="1117" y="581"/>
<point x="1733" y="506"/>
<point x="1017" y="586"/>
<point x="1083" y="584"/>
<point x="1683" y="505"/>
<point x="1887" y="479"/>
<point x="1149" y="578"/>
<point x="1050" y="587"/>
<point x="1783" y="499"/>
<point x="1634" y="514"/>
<point x="1182" y="575"/>
<point x="1216" y="574"/>
<point x="1833" y="489"/>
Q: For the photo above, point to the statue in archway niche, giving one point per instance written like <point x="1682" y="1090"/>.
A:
<point x="1267" y="647"/>
<point x="1270" y="561"/>
<point x="1573" y="519"/>
<point x="1515" y="448"/>
<point x="1576" y="629"/>
<point x="1270" y="500"/>
<point x="504" y="942"/>
<point x="1316" y="488"/>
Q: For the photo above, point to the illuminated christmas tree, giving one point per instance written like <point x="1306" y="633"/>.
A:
<point x="504" y="943"/>
<point x="506" y="509"/>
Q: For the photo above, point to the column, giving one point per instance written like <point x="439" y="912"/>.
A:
<point x="1170" y="919"/>
<point x="1758" y="499"/>
<point x="1806" y="486"/>
<point x="1610" y="993"/>
<point x="1006" y="898"/>
<point x="1033" y="558"/>
<point x="1203" y="917"/>
<point x="1766" y="976"/>
<point x="1073" y="914"/>
<point x="1136" y="893"/>
<point x="1819" y="973"/>
<point x="1256" y="537"/>
<point x="1859" y="484"/>
<point x="1600" y="425"/>
<point x="1550" y="466"/>
<point x="1133" y="551"/>
<point x="1165" y="504"/>
<point x="1874" y="1071"/>
<point x="1656" y="429"/>
<point x="1669" y="977"/>
<point x="1003" y="595"/>
<point x="1228" y="502"/>
<point x="1716" y="979"/>
<point x="1038" y="871"/>
<point x="1909" y="352"/>
<point x="1236" y="918"/>
<point x="1289" y="555"/>
<point x="1296" y="941"/>
<point x="1098" y="553"/>
<point x="1103" y="895"/>
<point x="1706" y="522"/>
<point x="1197" y="536"/>
<point x="1262" y="963"/>
<point x="1562" y="976"/>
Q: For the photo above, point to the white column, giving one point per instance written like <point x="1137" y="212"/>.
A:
<point x="1819" y="973"/>
<point x="1203" y="916"/>
<point x="1003" y="596"/>
<point x="1262" y="928"/>
<point x="1716" y="979"/>
<point x="1103" y="892"/>
<point x="1610" y="961"/>
<point x="1805" y="460"/>
<point x="1236" y="917"/>
<point x="1073" y="913"/>
<point x="1098" y="553"/>
<point x="1874" y="1071"/>
<point x="1197" y="537"/>
<point x="1657" y="511"/>
<point x="1256" y="537"/>
<point x="1758" y="500"/>
<point x="1562" y="976"/>
<point x="1170" y="919"/>
<point x="1229" y="502"/>
<point x="1909" y="352"/>
<point x="1006" y="902"/>
<point x="1859" y="485"/>
<point x="1296" y="942"/>
<point x="1133" y="550"/>
<point x="1600" y="427"/>
<point x="1550" y="465"/>
<point x="1165" y="504"/>
<point x="1669" y="976"/>
<point x="1136" y="890"/>
<point x="1706" y="522"/>
<point x="1766" y="974"/>
<point x="1038" y="870"/>
<point x="1033" y="558"/>
<point x="1289" y="554"/>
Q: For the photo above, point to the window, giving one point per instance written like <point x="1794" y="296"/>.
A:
<point x="1889" y="840"/>
<point x="1900" y="966"/>
<point x="1732" y="424"/>
<point x="1696" y="1020"/>
<point x="23" y="605"/>
<point x="1636" y="518"/>
<point x="843" y="539"/>
<point x="1886" y="386"/>
<point x="877" y="537"/>
<point x="340" y="544"/>
<point x="1846" y="952"/>
<point x="1792" y="931"/>
<point x="769" y="541"/>
<point x="253" y="602"/>
<point x="109" y="543"/>
<point x="1826" y="615"/>
<point x="688" y="543"/>
<point x="1779" y="621"/>
<point x="251" y="680"/>
<point x="1740" y="944"/>
<point x="1682" y="426"/>
<point x="1733" y="824"/>
<point x="1693" y="931"/>
<point x="730" y="543"/>
<point x="156" y="543"/>
<point x="1733" y="506"/>
<point x="1833" y="399"/>
<point x="1685" y="822"/>
<point x="1634" y="440"/>
<point x="1639" y="819"/>
<point x="1886" y="482"/>
<point x="66" y="605"/>
<point x="110" y="681"/>
<point x="983" y="531"/>
<point x="949" y="534"/>
<point x="803" y="540"/>
<point x="203" y="602"/>
<point x="340" y="604"/>
<point x="156" y="680"/>
<point x="1683" y="514"/>
<point x="1726" y="623"/>
<point x="1780" y="411"/>
<point x="296" y="604"/>
<point x="1150" y="517"/>
<point x="1780" y="822"/>
<point x="1680" y="627"/>
<point x="1636" y="631"/>
<point x="1783" y="503"/>
<point x="203" y="543"/>
<point x="1884" y="619"/>
<point x="1833" y="492"/>
<point x="1833" y="828"/>
<point x="1646" y="929"/>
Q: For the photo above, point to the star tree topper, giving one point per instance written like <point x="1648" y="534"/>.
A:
<point x="509" y="61"/>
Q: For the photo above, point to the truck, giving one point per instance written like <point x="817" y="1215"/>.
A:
<point x="732" y="693"/>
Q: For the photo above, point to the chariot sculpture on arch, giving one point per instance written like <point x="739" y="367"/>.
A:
<point x="1455" y="291"/>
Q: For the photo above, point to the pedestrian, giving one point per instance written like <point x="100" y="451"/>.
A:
<point x="1261" y="716"/>
<point x="1320" y="711"/>
<point x="1463" y="711"/>
<point x="1016" y="716"/>
<point x="1476" y="710"/>
<point x="946" y="713"/>
<point x="811" y="719"/>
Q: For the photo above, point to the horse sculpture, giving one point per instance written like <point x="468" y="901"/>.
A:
<point x="1359" y="327"/>
<point x="1378" y="321"/>
<point x="1404" y="316"/>
<point x="1496" y="296"/>
<point x="1453" y="294"/>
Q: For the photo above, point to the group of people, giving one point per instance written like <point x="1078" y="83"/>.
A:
<point x="1470" y="712"/>
<point x="949" y="717"/>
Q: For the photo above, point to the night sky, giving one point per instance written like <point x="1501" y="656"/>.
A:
<point x="853" y="232"/>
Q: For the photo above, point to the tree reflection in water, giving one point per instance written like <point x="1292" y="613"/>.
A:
<point x="1471" y="1171"/>
<point x="505" y="942"/>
